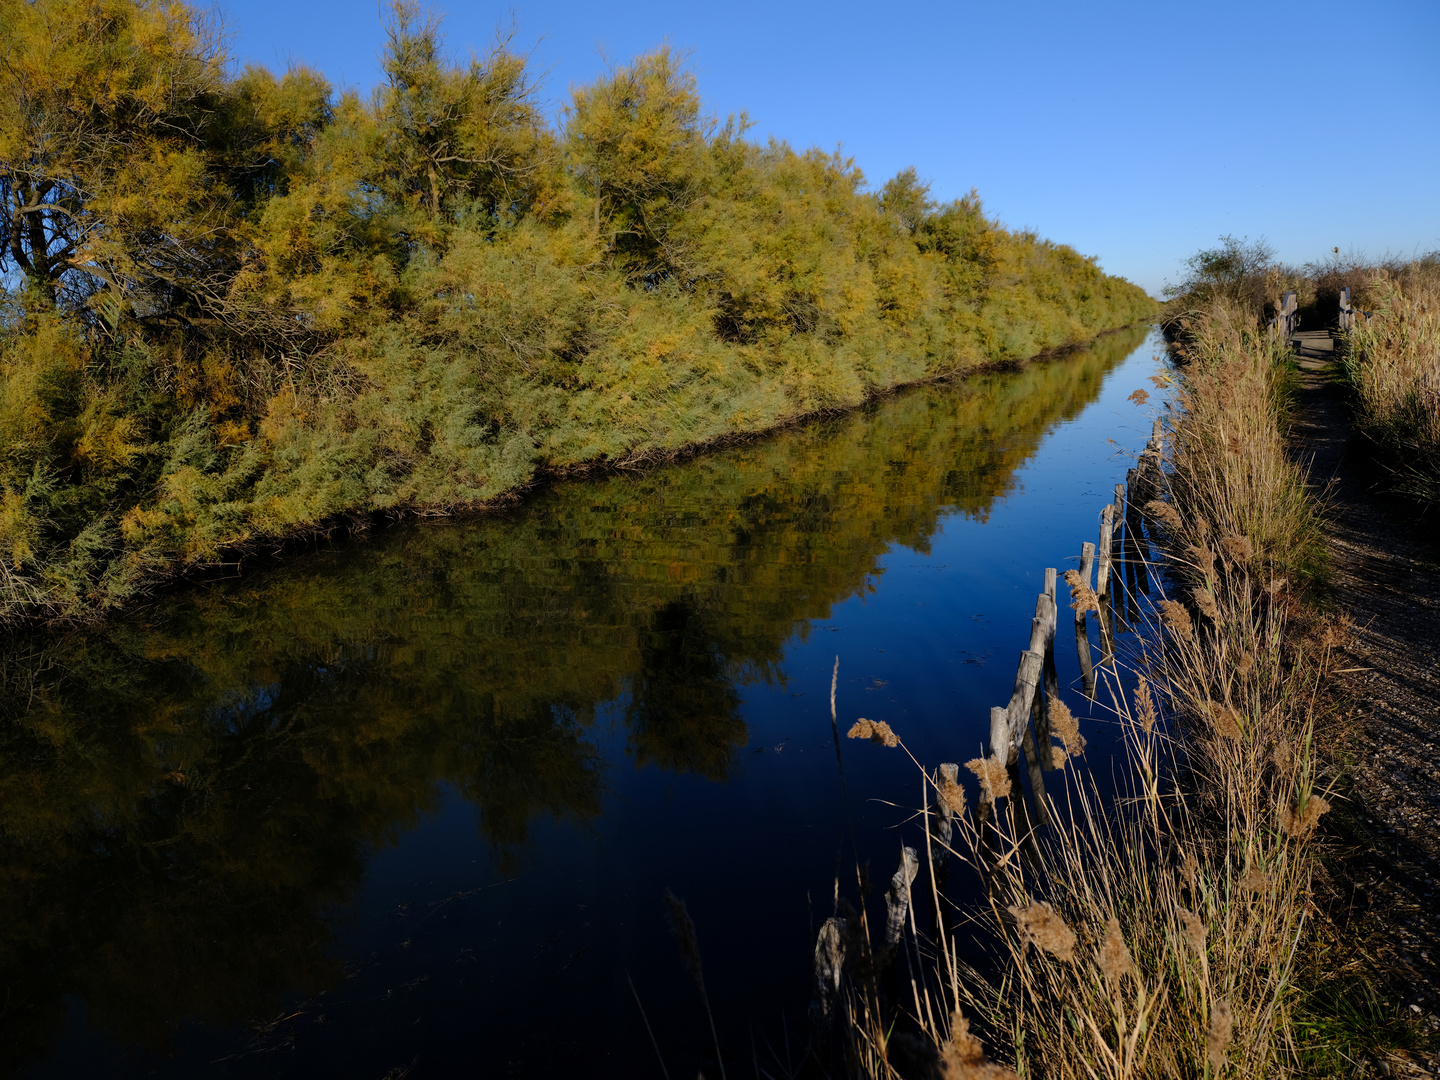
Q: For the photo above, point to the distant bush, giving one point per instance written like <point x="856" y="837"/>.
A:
<point x="1242" y="272"/>
<point x="251" y="306"/>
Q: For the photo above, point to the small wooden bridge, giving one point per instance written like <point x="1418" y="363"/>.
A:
<point x="1315" y="346"/>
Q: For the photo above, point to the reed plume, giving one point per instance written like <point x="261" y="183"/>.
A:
<point x="994" y="776"/>
<point x="1039" y="925"/>
<point x="877" y="731"/>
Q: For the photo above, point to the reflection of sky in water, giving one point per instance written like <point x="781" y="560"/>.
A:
<point x="580" y="710"/>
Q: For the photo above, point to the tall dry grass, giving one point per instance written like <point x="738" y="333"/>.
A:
<point x="1393" y="366"/>
<point x="1154" y="932"/>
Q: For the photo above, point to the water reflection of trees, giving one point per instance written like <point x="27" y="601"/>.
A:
<point x="186" y="793"/>
<point x="684" y="711"/>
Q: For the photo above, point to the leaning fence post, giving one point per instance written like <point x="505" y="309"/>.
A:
<point x="1014" y="730"/>
<point x="1017" y="714"/>
<point x="1031" y="744"/>
<point x="897" y="900"/>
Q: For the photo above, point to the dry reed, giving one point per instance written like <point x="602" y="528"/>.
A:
<point x="1393" y="365"/>
<point x="1161" y="940"/>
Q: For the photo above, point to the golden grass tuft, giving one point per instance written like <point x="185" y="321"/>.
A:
<point x="1145" y="714"/>
<point x="963" y="1057"/>
<point x="952" y="795"/>
<point x="1082" y="596"/>
<point x="1038" y="925"/>
<point x="1238" y="549"/>
<point x="1226" y="720"/>
<point x="994" y="777"/>
<point x="1202" y="558"/>
<point x="1114" y="958"/>
<point x="1299" y="821"/>
<point x="1064" y="726"/>
<point x="1205" y="602"/>
<point x="1177" y="619"/>
<point x="1194" y="932"/>
<point x="1219" y="1033"/>
<point x="877" y="731"/>
<point x="1162" y="511"/>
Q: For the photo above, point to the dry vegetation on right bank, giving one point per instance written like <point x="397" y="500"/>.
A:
<point x="1172" y="930"/>
<point x="1393" y="367"/>
<point x="1391" y="357"/>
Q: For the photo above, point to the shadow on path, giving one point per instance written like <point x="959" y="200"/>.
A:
<point x="1386" y="578"/>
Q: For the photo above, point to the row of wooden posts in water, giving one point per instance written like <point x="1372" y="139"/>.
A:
<point x="1024" y="725"/>
<point x="1117" y="566"/>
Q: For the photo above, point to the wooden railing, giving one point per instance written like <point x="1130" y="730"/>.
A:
<point x="1347" y="312"/>
<point x="1287" y="311"/>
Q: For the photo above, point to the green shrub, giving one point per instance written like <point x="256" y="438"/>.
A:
<point x="307" y="306"/>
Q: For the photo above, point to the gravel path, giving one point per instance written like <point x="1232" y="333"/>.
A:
<point x="1386" y="577"/>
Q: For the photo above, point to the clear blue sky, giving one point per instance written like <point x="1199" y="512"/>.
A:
<point x="1138" y="133"/>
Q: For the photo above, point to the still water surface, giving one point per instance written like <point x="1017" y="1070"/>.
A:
<point x="411" y="803"/>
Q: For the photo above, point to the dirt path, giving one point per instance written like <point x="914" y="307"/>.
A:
<point x="1386" y="578"/>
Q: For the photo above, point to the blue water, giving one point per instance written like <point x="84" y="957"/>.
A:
<point x="432" y="783"/>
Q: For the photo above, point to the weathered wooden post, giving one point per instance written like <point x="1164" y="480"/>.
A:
<point x="1010" y="726"/>
<point x="1087" y="571"/>
<point x="1107" y="529"/>
<point x="1052" y="679"/>
<point x="1102" y="586"/>
<point x="1034" y="710"/>
<point x="1347" y="313"/>
<point x="1289" y="311"/>
<point x="1117" y="558"/>
<point x="942" y="818"/>
<point x="1134" y="554"/>
<point x="1017" y="713"/>
<point x="1087" y="663"/>
<point x="1040" y="710"/>
<point x="829" y="962"/>
<point x="897" y="899"/>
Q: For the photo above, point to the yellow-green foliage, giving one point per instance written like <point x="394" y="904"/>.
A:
<point x="251" y="306"/>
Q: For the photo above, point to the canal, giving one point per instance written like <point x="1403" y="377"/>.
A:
<point x="406" y="805"/>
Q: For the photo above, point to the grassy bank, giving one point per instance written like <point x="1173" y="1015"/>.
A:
<point x="1172" y="931"/>
<point x="252" y="305"/>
